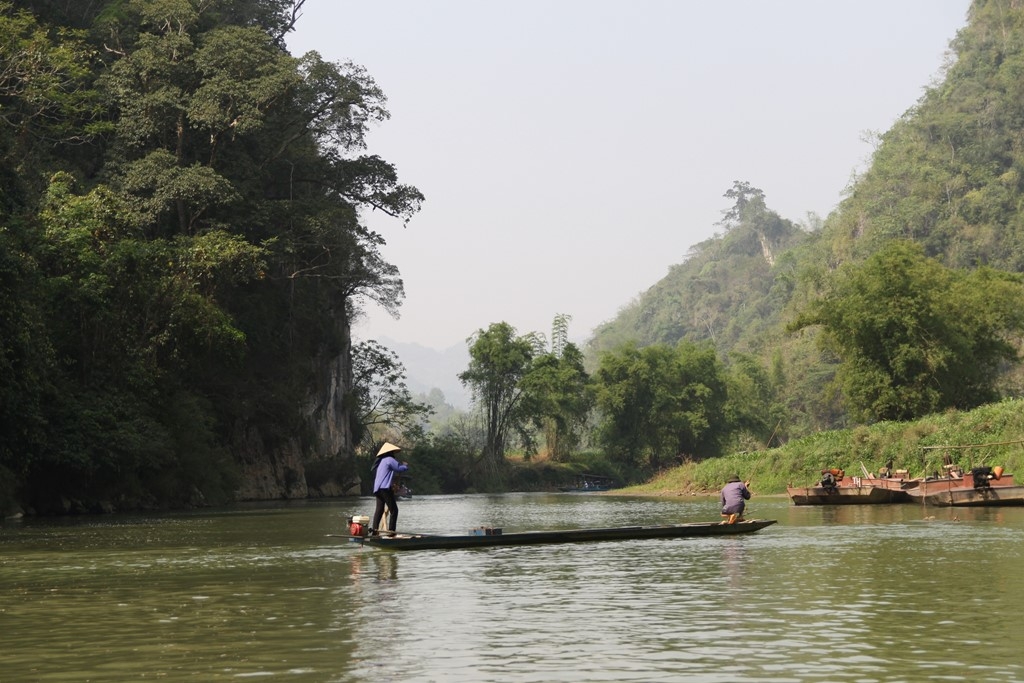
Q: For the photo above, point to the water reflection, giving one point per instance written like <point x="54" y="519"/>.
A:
<point x="733" y="560"/>
<point x="380" y="566"/>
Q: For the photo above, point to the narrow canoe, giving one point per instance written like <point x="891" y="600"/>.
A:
<point x="402" y="541"/>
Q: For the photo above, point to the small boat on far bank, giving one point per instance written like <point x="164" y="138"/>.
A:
<point x="835" y="488"/>
<point x="589" y="483"/>
<point x="401" y="487"/>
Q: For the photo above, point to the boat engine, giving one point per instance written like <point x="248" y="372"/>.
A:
<point x="981" y="477"/>
<point x="828" y="481"/>
<point x="359" y="526"/>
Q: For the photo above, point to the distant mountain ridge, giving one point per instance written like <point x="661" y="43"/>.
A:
<point x="427" y="369"/>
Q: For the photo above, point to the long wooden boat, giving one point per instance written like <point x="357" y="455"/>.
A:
<point x="979" y="487"/>
<point x="843" y="490"/>
<point x="483" y="538"/>
<point x="867" y="492"/>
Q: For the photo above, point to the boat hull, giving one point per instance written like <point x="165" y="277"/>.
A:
<point x="960" y="496"/>
<point x="961" y="492"/>
<point x="430" y="542"/>
<point x="847" y="495"/>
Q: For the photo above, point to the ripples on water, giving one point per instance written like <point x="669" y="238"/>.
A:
<point x="896" y="593"/>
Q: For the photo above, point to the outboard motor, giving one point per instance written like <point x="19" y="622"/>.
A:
<point x="828" y="482"/>
<point x="359" y="525"/>
<point x="981" y="477"/>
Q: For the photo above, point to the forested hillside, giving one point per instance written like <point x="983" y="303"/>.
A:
<point x="948" y="177"/>
<point x="180" y="252"/>
<point x="729" y="291"/>
<point x="950" y="174"/>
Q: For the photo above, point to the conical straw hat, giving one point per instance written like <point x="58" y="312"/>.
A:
<point x="387" y="448"/>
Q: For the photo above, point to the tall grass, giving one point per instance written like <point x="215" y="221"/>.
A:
<point x="908" y="445"/>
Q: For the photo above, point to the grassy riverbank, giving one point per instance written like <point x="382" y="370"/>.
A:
<point x="918" y="447"/>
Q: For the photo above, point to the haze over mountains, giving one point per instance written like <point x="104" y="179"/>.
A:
<point x="428" y="369"/>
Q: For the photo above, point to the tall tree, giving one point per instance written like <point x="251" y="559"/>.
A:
<point x="382" y="397"/>
<point x="557" y="398"/>
<point x="745" y="197"/>
<point x="660" y="404"/>
<point x="560" y="333"/>
<point x="498" y="361"/>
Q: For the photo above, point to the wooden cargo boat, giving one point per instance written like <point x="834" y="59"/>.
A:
<point x="865" y="494"/>
<point x="835" y="488"/>
<point x="979" y="487"/>
<point x="481" y="538"/>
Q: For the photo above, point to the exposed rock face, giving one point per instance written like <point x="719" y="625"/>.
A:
<point x="272" y="471"/>
<point x="269" y="472"/>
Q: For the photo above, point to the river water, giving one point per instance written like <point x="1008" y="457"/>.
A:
<point x="869" y="593"/>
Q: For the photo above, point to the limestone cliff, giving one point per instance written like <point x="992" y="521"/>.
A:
<point x="273" y="469"/>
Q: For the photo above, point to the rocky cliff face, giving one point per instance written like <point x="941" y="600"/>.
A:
<point x="278" y="470"/>
<point x="268" y="471"/>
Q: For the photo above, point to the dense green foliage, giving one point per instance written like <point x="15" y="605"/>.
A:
<point x="914" y="337"/>
<point x="948" y="173"/>
<point x="661" y="404"/>
<point x="729" y="291"/>
<point x="181" y="245"/>
<point x="556" y="395"/>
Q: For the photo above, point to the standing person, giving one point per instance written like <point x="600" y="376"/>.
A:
<point x="383" y="470"/>
<point x="733" y="498"/>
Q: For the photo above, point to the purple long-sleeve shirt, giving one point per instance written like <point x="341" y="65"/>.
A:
<point x="733" y="496"/>
<point x="386" y="471"/>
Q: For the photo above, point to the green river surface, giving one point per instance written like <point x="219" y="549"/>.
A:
<point x="265" y="592"/>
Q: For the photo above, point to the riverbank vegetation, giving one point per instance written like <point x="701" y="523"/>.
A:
<point x="990" y="435"/>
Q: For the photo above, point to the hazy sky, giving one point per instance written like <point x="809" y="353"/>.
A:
<point x="570" y="151"/>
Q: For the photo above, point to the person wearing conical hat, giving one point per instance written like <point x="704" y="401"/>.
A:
<point x="733" y="499"/>
<point x="383" y="470"/>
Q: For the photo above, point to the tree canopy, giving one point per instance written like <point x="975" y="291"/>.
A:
<point x="662" y="404"/>
<point x="499" y="359"/>
<point x="183" y="245"/>
<point x="914" y="337"/>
